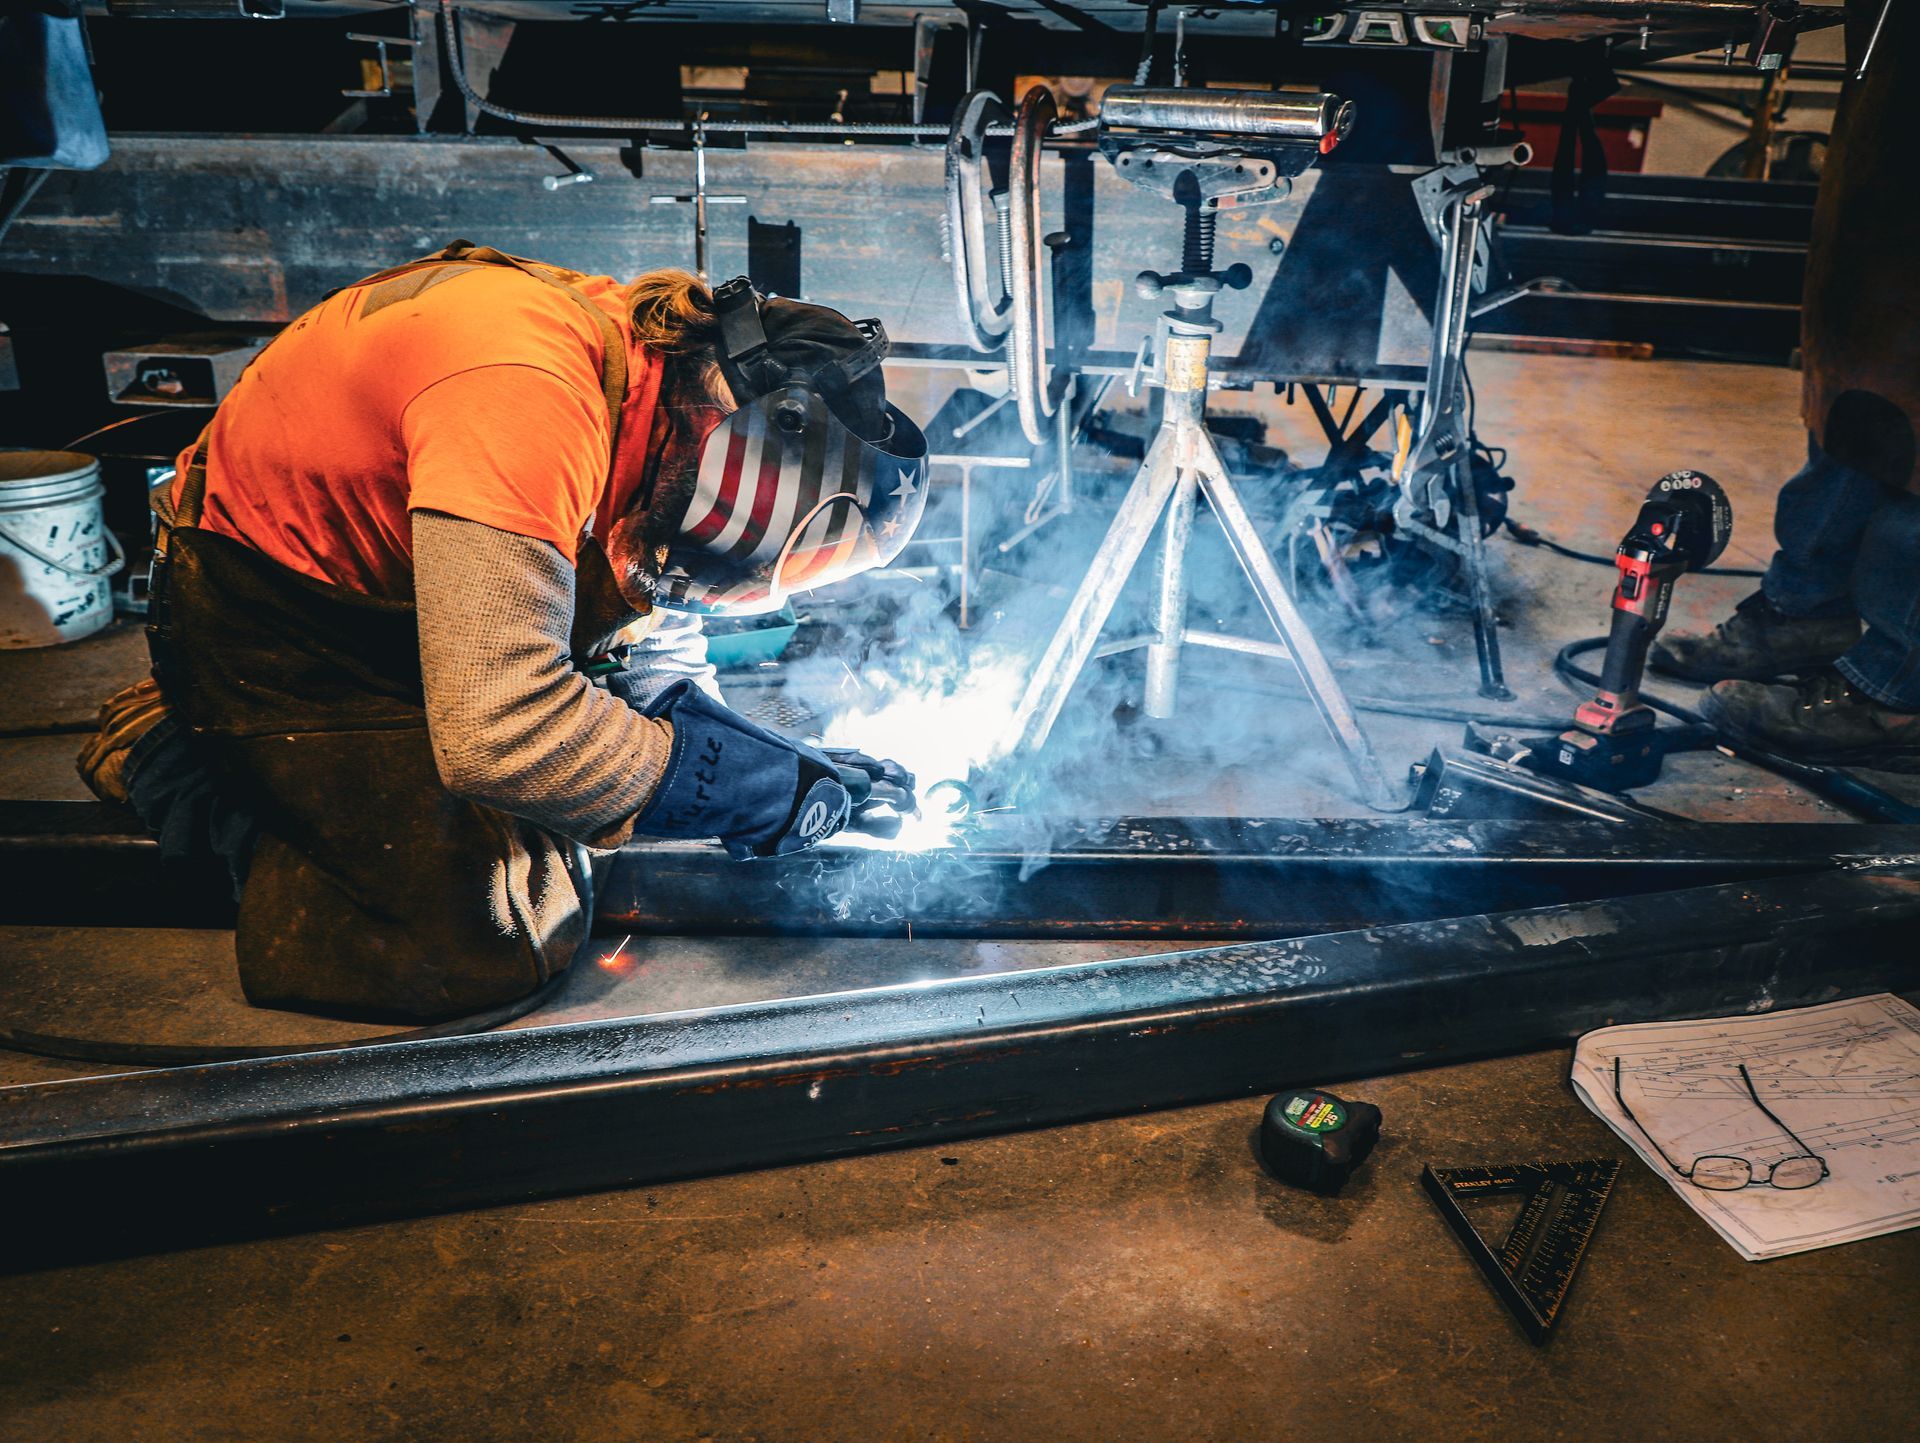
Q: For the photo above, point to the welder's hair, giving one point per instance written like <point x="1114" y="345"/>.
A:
<point x="673" y="314"/>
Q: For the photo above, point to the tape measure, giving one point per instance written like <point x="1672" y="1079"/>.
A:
<point x="1315" y="1140"/>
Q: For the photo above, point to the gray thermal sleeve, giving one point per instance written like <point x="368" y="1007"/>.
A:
<point x="675" y="650"/>
<point x="514" y="726"/>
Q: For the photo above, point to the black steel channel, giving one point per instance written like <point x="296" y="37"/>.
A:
<point x="138" y="1161"/>
<point x="1212" y="879"/>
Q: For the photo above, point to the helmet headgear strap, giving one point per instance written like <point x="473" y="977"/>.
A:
<point x="746" y="355"/>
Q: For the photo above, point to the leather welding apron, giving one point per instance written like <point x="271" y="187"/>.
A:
<point x="373" y="891"/>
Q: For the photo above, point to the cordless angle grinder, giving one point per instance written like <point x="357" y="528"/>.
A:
<point x="1613" y="744"/>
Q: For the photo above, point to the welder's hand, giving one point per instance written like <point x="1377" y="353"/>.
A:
<point x="873" y="783"/>
<point x="761" y="794"/>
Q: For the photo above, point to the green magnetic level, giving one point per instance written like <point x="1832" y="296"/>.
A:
<point x="1315" y="1140"/>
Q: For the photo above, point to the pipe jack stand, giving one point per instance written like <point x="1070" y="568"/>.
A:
<point x="1181" y="465"/>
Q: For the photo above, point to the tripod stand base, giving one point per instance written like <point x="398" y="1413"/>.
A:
<point x="1181" y="465"/>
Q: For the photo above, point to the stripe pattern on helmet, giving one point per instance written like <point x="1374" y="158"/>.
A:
<point x="810" y="505"/>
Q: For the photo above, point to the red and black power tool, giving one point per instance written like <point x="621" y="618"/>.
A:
<point x="1683" y="526"/>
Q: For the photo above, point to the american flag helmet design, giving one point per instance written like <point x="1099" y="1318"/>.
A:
<point x="788" y="499"/>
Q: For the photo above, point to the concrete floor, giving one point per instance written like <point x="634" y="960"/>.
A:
<point x="1133" y="1278"/>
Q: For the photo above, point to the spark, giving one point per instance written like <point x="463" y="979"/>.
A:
<point x="612" y="961"/>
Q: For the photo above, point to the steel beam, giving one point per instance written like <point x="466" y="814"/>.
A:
<point x="1200" y="878"/>
<point x="259" y="228"/>
<point x="138" y="1161"/>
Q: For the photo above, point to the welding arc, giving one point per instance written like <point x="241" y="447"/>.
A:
<point x="1836" y="784"/>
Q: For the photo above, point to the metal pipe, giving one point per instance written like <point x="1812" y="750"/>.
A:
<point x="1029" y="373"/>
<point x="1170" y="600"/>
<point x="1873" y="40"/>
<point x="1275" y="114"/>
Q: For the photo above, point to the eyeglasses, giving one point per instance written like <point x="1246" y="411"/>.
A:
<point x="1722" y="1173"/>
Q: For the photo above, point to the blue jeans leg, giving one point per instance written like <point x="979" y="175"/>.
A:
<point x="1885" y="662"/>
<point x="1820" y="521"/>
<point x="1851" y="547"/>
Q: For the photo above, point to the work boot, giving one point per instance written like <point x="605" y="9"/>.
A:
<point x="1757" y="642"/>
<point x="1823" y="720"/>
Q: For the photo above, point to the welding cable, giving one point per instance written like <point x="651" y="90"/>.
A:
<point x="28" y="189"/>
<point x="1418" y="711"/>
<point x="1836" y="784"/>
<point x="114" y="426"/>
<point x="1527" y="536"/>
<point x="165" y="1054"/>
<point x="542" y="120"/>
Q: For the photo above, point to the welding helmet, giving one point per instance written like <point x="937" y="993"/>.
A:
<point x="814" y="478"/>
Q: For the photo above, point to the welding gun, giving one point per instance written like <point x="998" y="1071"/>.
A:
<point x="873" y="784"/>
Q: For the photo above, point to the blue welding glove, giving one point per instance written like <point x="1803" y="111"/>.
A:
<point x="761" y="794"/>
<point x="873" y="783"/>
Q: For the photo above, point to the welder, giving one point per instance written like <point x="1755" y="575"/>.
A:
<point x="426" y="612"/>
<point x="1849" y="523"/>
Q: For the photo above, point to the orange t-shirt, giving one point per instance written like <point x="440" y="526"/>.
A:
<point x="479" y="396"/>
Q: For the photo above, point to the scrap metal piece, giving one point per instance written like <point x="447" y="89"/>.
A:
<point x="194" y="370"/>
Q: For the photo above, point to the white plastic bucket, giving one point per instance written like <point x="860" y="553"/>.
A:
<point x="56" y="553"/>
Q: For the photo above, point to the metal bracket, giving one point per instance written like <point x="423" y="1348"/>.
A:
<point x="573" y="174"/>
<point x="699" y="200"/>
<point x="926" y="33"/>
<point x="1225" y="178"/>
<point x="379" y="44"/>
<point x="1036" y="387"/>
<point x="970" y="178"/>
